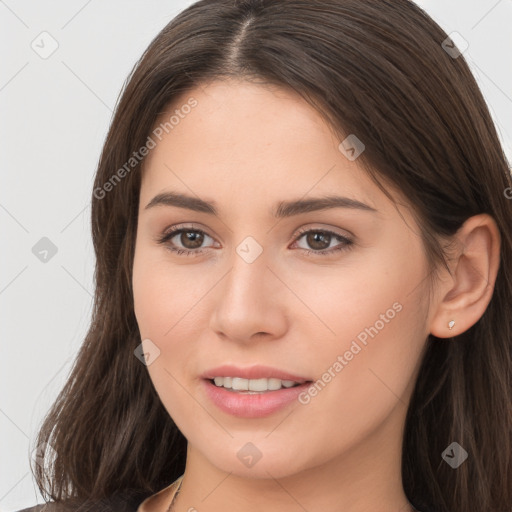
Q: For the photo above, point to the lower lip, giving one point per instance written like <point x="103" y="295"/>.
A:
<point x="258" y="405"/>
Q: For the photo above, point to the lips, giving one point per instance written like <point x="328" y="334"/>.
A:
<point x="252" y="372"/>
<point x="252" y="404"/>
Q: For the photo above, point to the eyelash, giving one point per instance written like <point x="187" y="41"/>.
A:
<point x="346" y="242"/>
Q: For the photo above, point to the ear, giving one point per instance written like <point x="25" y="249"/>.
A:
<point x="464" y="295"/>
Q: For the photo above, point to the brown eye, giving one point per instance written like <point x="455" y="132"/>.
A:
<point x="191" y="239"/>
<point x="184" y="241"/>
<point x="319" y="242"/>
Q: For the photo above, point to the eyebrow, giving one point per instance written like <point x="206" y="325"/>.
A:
<point x="283" y="208"/>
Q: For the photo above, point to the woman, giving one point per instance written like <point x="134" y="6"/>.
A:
<point x="304" y="255"/>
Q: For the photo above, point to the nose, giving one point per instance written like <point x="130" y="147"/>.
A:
<point x="249" y="302"/>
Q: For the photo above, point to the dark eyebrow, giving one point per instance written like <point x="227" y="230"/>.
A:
<point x="182" y="201"/>
<point x="284" y="208"/>
<point x="290" y="208"/>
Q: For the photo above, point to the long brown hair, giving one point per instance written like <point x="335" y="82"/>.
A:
<point x="374" y="68"/>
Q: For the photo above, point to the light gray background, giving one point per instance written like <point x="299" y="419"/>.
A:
<point x="55" y="114"/>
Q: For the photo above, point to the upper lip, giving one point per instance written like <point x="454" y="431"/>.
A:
<point x="252" y="372"/>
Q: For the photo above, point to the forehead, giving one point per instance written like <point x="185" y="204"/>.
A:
<point x="252" y="140"/>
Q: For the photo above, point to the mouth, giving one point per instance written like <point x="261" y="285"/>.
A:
<point x="253" y="392"/>
<point x="253" y="386"/>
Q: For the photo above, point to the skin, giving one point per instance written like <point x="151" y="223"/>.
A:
<point x="247" y="147"/>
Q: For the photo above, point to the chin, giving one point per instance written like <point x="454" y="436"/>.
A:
<point x="258" y="459"/>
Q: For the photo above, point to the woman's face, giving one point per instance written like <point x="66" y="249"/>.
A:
<point x="334" y="296"/>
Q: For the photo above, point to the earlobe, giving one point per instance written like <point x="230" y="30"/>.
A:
<point x="462" y="300"/>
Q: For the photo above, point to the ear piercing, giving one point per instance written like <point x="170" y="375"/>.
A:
<point x="451" y="323"/>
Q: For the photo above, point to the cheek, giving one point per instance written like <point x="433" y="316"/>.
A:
<point x="167" y="304"/>
<point x="162" y="293"/>
<point x="164" y="311"/>
<point x="373" y="335"/>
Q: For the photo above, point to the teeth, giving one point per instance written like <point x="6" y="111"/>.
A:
<point x="274" y="384"/>
<point x="258" y="385"/>
<point x="240" y="384"/>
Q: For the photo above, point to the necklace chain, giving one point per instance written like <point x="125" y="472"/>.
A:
<point x="170" y="508"/>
